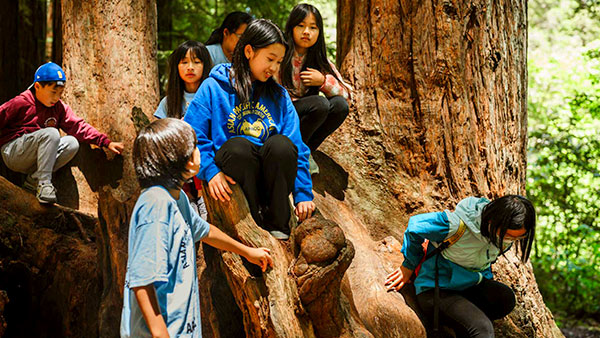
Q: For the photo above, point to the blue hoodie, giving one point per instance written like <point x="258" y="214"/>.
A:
<point x="216" y="115"/>
<point x="461" y="265"/>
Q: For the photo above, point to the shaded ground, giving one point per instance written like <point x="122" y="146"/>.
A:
<point x="580" y="332"/>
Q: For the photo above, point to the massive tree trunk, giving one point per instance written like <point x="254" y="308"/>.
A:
<point x="440" y="113"/>
<point x="109" y="53"/>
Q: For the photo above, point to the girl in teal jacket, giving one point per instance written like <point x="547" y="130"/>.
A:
<point x="469" y="298"/>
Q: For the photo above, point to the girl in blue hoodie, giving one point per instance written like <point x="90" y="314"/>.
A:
<point x="469" y="299"/>
<point x="248" y="132"/>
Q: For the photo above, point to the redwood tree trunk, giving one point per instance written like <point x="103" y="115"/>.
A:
<point x="109" y="53"/>
<point x="440" y="113"/>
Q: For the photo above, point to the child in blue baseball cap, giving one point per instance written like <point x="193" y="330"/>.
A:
<point x="29" y="139"/>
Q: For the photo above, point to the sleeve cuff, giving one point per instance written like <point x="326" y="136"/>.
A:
<point x="148" y="281"/>
<point x="210" y="172"/>
<point x="407" y="264"/>
<point x="303" y="196"/>
<point x="105" y="142"/>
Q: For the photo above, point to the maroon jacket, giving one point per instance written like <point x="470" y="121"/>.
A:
<point x="24" y="114"/>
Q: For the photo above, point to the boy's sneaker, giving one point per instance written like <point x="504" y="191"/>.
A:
<point x="46" y="193"/>
<point x="279" y="235"/>
<point x="313" y="168"/>
<point x="30" y="184"/>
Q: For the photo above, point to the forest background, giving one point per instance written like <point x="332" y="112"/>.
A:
<point x="563" y="166"/>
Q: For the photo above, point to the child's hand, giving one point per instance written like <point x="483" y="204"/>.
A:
<point x="304" y="210"/>
<point x="312" y="77"/>
<point x="218" y="187"/>
<point x="260" y="257"/>
<point x="398" y="278"/>
<point x="116" y="147"/>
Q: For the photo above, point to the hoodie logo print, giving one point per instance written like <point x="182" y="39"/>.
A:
<point x="251" y="119"/>
<point x="50" y="122"/>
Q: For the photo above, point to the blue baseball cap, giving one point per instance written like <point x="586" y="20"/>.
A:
<point x="50" y="72"/>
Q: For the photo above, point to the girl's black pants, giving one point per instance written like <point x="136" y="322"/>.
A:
<point x="470" y="312"/>
<point x="266" y="175"/>
<point x="319" y="117"/>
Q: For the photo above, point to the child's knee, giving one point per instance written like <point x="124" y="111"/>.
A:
<point x="280" y="147"/>
<point x="506" y="304"/>
<point x="49" y="134"/>
<point x="237" y="148"/>
<point x="321" y="103"/>
<point x="340" y="105"/>
<point x="320" y="107"/>
<point x="71" y="144"/>
<point x="481" y="327"/>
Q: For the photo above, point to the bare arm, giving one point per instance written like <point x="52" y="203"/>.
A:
<point x="146" y="298"/>
<point x="218" y="239"/>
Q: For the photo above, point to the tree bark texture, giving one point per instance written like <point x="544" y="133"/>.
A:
<point x="109" y="56"/>
<point x="48" y="268"/>
<point x="439" y="113"/>
<point x="299" y="296"/>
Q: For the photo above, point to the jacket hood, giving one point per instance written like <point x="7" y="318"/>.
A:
<point x="469" y="211"/>
<point x="221" y="73"/>
<point x="28" y="96"/>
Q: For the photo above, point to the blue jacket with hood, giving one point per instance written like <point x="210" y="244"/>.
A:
<point x="461" y="265"/>
<point x="216" y="115"/>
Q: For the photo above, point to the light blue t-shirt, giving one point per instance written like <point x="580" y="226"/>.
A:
<point x="216" y="54"/>
<point x="161" y="252"/>
<point x="161" y="111"/>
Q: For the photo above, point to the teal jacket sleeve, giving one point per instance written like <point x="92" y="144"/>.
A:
<point x="433" y="226"/>
<point x="291" y="128"/>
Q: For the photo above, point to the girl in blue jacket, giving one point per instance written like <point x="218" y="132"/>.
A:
<point x="469" y="299"/>
<point x="248" y="132"/>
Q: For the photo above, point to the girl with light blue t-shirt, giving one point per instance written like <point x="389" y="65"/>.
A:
<point x="188" y="66"/>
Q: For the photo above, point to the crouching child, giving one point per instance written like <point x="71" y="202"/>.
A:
<point x="161" y="296"/>
<point x="29" y="139"/>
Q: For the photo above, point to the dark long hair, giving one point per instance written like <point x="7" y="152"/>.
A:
<point x="161" y="152"/>
<point x="259" y="34"/>
<point x="232" y="22"/>
<point x="175" y="85"/>
<point x="509" y="212"/>
<point x="316" y="56"/>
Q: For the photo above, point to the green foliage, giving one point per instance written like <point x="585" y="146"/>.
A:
<point x="564" y="154"/>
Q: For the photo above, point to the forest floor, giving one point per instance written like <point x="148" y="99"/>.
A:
<point x="580" y="332"/>
<point x="576" y="329"/>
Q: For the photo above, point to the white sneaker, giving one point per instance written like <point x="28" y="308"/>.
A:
<point x="313" y="168"/>
<point x="46" y="192"/>
<point x="279" y="235"/>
